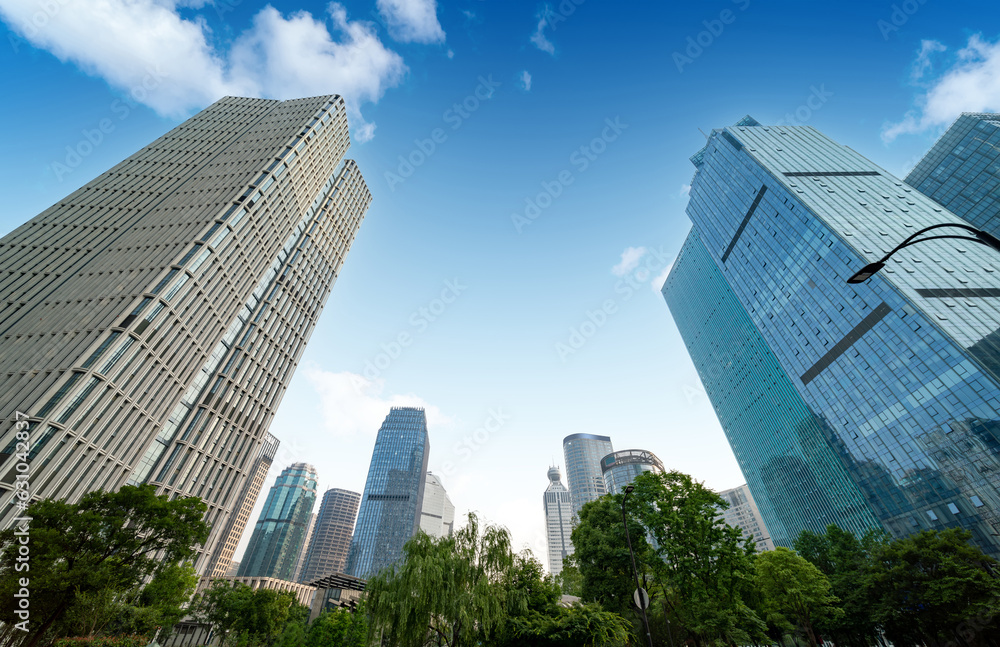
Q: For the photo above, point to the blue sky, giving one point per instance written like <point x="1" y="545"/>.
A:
<point x="528" y="163"/>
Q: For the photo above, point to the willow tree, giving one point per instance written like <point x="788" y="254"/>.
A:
<point x="450" y="591"/>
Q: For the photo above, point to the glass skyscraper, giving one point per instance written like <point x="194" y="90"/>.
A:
<point x="583" y="453"/>
<point x="394" y="492"/>
<point x="558" y="506"/>
<point x="866" y="405"/>
<point x="281" y="528"/>
<point x="153" y="318"/>
<point x="962" y="170"/>
<point x="620" y="468"/>
<point x="331" y="537"/>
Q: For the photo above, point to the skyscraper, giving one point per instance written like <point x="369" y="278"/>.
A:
<point x="281" y="528"/>
<point x="863" y="405"/>
<point x="304" y="551"/>
<point x="962" y="170"/>
<point x="394" y="492"/>
<point x="153" y="318"/>
<point x="558" y="506"/>
<point x="620" y="468"/>
<point x="583" y="453"/>
<point x="331" y="537"/>
<point x="743" y="514"/>
<point x="437" y="516"/>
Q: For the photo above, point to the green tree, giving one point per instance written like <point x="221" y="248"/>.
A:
<point x="795" y="591"/>
<point x="570" y="580"/>
<point x="704" y="568"/>
<point x="109" y="540"/>
<point x="241" y="615"/>
<point x="847" y="563"/>
<point x="338" y="628"/>
<point x="576" y="626"/>
<point x="935" y="587"/>
<point x="451" y="591"/>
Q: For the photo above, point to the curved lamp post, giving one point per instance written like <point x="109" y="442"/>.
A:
<point x="979" y="236"/>
<point x="645" y="621"/>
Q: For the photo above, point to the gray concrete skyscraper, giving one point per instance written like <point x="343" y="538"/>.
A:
<point x="437" y="515"/>
<point x="558" y="507"/>
<point x="742" y="513"/>
<point x="153" y="318"/>
<point x="394" y="492"/>
<point x="583" y="453"/>
<point x="331" y="538"/>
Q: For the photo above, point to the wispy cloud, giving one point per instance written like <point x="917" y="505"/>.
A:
<point x="538" y="38"/>
<point x="525" y="78"/>
<point x="412" y="21"/>
<point x="128" y="43"/>
<point x="657" y="283"/>
<point x="353" y="405"/>
<point x="630" y="260"/>
<point x="970" y="84"/>
<point x="685" y="190"/>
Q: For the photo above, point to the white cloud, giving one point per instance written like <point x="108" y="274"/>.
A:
<point x="525" y="79"/>
<point x="923" y="62"/>
<point x="169" y="63"/>
<point x="353" y="405"/>
<point x="630" y="260"/>
<point x="971" y="84"/>
<point x="538" y="38"/>
<point x="412" y="21"/>
<point x="685" y="190"/>
<point x="657" y="283"/>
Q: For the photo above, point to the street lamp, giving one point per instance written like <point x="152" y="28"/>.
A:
<point x="640" y="600"/>
<point x="980" y="236"/>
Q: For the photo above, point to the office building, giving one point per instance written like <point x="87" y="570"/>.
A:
<point x="742" y="513"/>
<point x="304" y="551"/>
<point x="620" y="468"/>
<point x="331" y="536"/>
<point x="867" y="405"/>
<point x="962" y="171"/>
<point x="437" y="516"/>
<point x="394" y="493"/>
<point x="558" y="506"/>
<point x="281" y="528"/>
<point x="583" y="453"/>
<point x="153" y="318"/>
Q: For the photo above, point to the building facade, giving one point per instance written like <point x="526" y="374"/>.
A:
<point x="869" y="405"/>
<point x="742" y="513"/>
<point x="280" y="532"/>
<point x="304" y="551"/>
<point x="620" y="468"/>
<point x="390" y="507"/>
<point x="153" y="318"/>
<point x="437" y="516"/>
<point x="583" y="454"/>
<point x="332" y="534"/>
<point x="962" y="170"/>
<point x="558" y="506"/>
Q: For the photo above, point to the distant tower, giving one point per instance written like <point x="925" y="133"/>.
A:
<point x="394" y="492"/>
<point x="621" y="468"/>
<point x="437" y="517"/>
<point x="743" y="514"/>
<point x="280" y="531"/>
<point x="304" y="551"/>
<point x="583" y="467"/>
<point x="558" y="521"/>
<point x="331" y="537"/>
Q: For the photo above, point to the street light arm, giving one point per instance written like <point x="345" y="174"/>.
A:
<point x="914" y="242"/>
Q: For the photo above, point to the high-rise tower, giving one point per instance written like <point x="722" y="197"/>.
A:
<point x="583" y="453"/>
<point x="437" y="515"/>
<point x="558" y="507"/>
<point x="153" y="318"/>
<point x="876" y="404"/>
<point x="620" y="468"/>
<point x="331" y="537"/>
<point x="394" y="492"/>
<point x="282" y="526"/>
